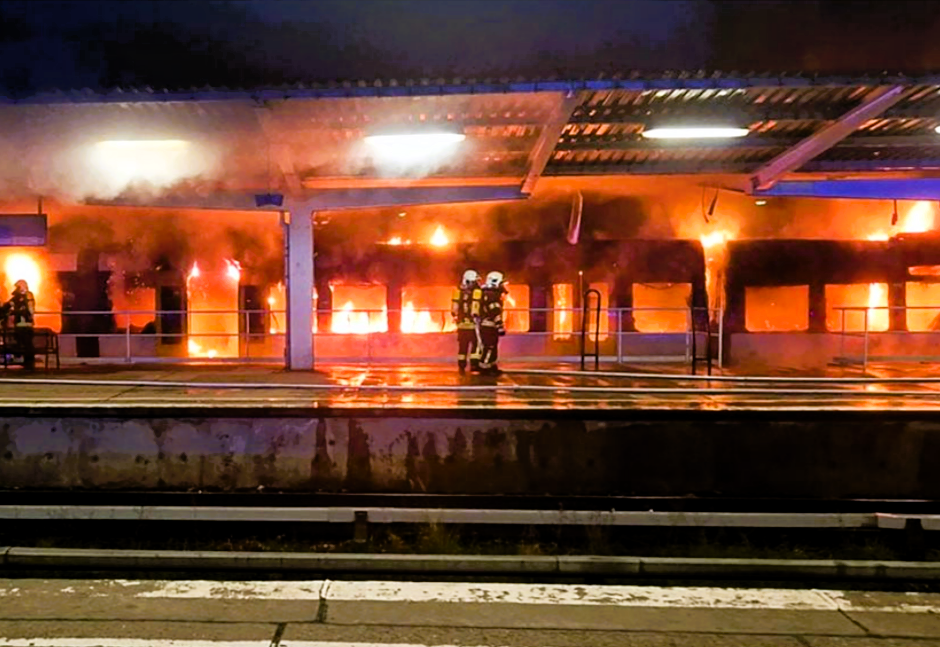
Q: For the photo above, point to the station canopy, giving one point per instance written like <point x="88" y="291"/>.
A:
<point x="312" y="138"/>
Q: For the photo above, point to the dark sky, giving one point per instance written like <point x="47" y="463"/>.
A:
<point x="177" y="44"/>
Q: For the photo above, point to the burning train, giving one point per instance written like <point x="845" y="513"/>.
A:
<point x="119" y="284"/>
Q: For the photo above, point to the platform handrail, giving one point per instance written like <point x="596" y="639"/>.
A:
<point x="585" y="322"/>
<point x="257" y="326"/>
<point x="866" y="331"/>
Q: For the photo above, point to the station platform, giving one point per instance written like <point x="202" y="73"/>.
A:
<point x="406" y="386"/>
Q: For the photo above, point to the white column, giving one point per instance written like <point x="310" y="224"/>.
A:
<point x="299" y="280"/>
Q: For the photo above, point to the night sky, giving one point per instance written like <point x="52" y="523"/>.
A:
<point x="176" y="44"/>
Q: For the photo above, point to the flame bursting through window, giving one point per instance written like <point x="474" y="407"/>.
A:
<point x="212" y="312"/>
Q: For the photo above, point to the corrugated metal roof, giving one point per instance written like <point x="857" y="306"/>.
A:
<point x="504" y="119"/>
<point x="695" y="81"/>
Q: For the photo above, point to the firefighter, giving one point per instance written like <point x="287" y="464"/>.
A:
<point x="465" y="309"/>
<point x="491" y="322"/>
<point x="22" y="305"/>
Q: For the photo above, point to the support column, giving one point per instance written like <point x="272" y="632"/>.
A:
<point x="299" y="280"/>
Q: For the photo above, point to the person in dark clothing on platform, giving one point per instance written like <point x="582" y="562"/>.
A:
<point x="22" y="306"/>
<point x="492" y="326"/>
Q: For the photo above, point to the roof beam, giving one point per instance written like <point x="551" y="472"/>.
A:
<point x="330" y="199"/>
<point x="219" y="201"/>
<point x="692" y="167"/>
<point x="874" y="189"/>
<point x="601" y="143"/>
<point x="337" y="199"/>
<point x="545" y="146"/>
<point x="877" y="101"/>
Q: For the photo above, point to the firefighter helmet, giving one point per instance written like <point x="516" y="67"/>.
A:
<point x="470" y="277"/>
<point x="494" y="279"/>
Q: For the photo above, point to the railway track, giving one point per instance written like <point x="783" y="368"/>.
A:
<point x="587" y="503"/>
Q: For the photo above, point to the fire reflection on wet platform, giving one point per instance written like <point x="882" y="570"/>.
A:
<point x="421" y="386"/>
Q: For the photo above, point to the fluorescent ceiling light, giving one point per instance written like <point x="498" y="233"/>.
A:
<point x="415" y="139"/>
<point x="698" y="132"/>
<point x="143" y="144"/>
<point x="414" y="148"/>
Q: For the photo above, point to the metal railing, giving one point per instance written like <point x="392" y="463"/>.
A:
<point x="585" y="322"/>
<point x="259" y="334"/>
<point x="866" y="332"/>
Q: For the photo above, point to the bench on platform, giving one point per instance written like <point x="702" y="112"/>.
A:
<point x="45" y="345"/>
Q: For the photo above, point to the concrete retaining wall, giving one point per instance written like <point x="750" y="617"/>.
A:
<point x="736" y="457"/>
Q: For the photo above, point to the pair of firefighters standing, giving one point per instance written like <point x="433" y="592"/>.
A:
<point x="478" y="312"/>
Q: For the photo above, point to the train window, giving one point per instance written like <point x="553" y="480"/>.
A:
<point x="562" y="310"/>
<point x="359" y="309"/>
<point x="516" y="308"/>
<point x="276" y="303"/>
<point x="661" y="307"/>
<point x="212" y="312"/>
<point x="861" y="295"/>
<point x="426" y="309"/>
<point x="776" y="309"/>
<point x="141" y="301"/>
<point x="920" y="295"/>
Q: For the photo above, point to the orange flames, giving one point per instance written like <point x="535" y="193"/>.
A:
<point x="877" y="297"/>
<point x="277" y="304"/>
<point x="364" y="309"/>
<point x="918" y="219"/>
<point x="562" y="300"/>
<point x="715" y="246"/>
<point x="439" y="238"/>
<point x="21" y="266"/>
<point x="212" y="314"/>
<point x="33" y="267"/>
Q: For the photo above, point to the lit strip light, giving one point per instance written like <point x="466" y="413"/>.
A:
<point x="695" y="133"/>
<point x="419" y="139"/>
<point x="143" y="144"/>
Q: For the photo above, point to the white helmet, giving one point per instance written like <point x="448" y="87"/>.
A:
<point x="493" y="280"/>
<point x="470" y="277"/>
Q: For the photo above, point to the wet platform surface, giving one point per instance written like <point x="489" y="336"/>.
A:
<point x="439" y="387"/>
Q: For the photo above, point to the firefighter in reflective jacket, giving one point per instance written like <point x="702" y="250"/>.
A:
<point x="22" y="305"/>
<point x="491" y="322"/>
<point x="465" y="308"/>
